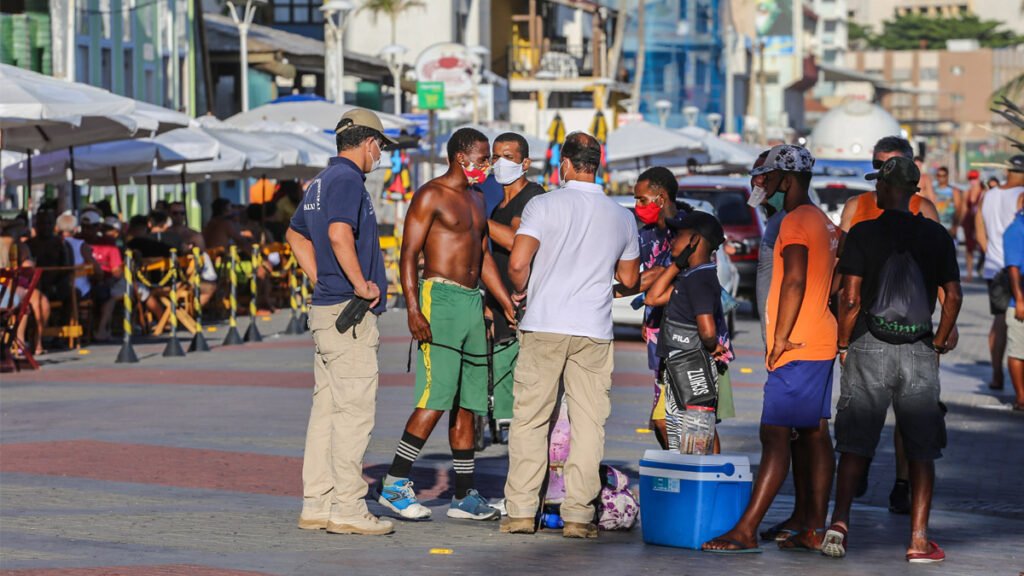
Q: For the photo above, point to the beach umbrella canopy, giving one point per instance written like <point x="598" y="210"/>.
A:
<point x="38" y="112"/>
<point x="643" y="143"/>
<point x="722" y="152"/>
<point x="323" y="114"/>
<point x="98" y="162"/>
<point x="165" y="118"/>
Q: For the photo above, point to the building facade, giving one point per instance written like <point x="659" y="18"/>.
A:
<point x="947" y="104"/>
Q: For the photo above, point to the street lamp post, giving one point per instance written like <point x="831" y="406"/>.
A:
<point x="392" y="53"/>
<point x="337" y="32"/>
<point x="691" y="113"/>
<point x="243" y="24"/>
<point x="663" y="107"/>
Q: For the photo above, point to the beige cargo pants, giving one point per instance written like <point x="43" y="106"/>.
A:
<point x="587" y="367"/>
<point x="342" y="417"/>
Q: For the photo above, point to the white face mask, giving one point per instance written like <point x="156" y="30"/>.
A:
<point x="380" y="157"/>
<point x="507" y="171"/>
<point x="757" y="196"/>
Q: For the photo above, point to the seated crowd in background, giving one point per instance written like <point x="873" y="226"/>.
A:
<point x="87" y="254"/>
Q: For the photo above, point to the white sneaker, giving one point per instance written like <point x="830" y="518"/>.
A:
<point x="400" y="499"/>
<point x="368" y="525"/>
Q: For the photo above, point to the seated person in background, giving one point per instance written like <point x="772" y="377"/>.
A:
<point x="142" y="244"/>
<point x="14" y="252"/>
<point x="50" y="251"/>
<point x="254" y="225"/>
<point x="286" y="201"/>
<point x="181" y="229"/>
<point x="160" y="229"/>
<point x="109" y="286"/>
<point x="223" y="227"/>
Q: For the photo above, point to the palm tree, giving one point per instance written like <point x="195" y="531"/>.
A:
<point x="392" y="8"/>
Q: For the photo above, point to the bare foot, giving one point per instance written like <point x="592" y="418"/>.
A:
<point x="804" y="540"/>
<point x="731" y="540"/>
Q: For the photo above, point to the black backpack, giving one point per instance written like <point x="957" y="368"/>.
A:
<point x="900" y="313"/>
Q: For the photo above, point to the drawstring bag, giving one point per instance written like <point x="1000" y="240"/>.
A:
<point x="900" y="314"/>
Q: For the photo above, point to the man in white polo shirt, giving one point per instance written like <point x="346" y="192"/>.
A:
<point x="573" y="240"/>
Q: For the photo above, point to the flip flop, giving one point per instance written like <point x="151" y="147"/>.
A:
<point x="931" y="557"/>
<point x="792" y="544"/>
<point x="834" y="544"/>
<point x="740" y="548"/>
<point x="777" y="532"/>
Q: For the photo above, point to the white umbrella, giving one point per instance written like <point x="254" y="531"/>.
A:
<point x="165" y="118"/>
<point x="644" y="143"/>
<point x="722" y="152"/>
<point x="39" y="112"/>
<point x="320" y="113"/>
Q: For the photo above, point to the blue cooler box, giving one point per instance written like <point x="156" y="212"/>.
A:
<point x="686" y="500"/>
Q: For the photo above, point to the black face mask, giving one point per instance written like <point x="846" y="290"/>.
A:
<point x="683" y="260"/>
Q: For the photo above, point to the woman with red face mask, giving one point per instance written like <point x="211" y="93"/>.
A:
<point x="655" y="193"/>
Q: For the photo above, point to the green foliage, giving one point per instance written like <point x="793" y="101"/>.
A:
<point x="917" y="32"/>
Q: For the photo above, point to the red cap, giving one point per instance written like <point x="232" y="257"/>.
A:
<point x="973" y="175"/>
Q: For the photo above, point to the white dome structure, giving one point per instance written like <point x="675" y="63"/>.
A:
<point x="849" y="131"/>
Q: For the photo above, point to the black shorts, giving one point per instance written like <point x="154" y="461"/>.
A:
<point x="878" y="374"/>
<point x="998" y="295"/>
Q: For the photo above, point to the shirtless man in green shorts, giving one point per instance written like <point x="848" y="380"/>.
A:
<point x="448" y="224"/>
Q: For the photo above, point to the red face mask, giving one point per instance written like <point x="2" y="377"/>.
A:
<point x="475" y="174"/>
<point x="648" y="213"/>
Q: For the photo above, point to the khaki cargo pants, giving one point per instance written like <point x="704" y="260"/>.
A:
<point x="342" y="417"/>
<point x="586" y="364"/>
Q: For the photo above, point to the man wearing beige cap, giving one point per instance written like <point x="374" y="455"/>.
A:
<point x="334" y="237"/>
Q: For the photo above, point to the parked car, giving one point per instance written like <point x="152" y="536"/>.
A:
<point x="623" y="312"/>
<point x="833" y="192"/>
<point x="743" y="224"/>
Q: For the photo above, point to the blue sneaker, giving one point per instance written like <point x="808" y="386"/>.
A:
<point x="400" y="499"/>
<point x="473" y="507"/>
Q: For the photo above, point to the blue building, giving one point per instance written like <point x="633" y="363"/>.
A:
<point x="684" y="47"/>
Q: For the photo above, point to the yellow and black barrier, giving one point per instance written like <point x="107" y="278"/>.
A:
<point x="127" y="353"/>
<point x="199" y="343"/>
<point x="294" y="326"/>
<point x="233" y="337"/>
<point x="173" y="348"/>
<point x="253" y="333"/>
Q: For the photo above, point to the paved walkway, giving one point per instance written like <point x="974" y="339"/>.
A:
<point x="192" y="467"/>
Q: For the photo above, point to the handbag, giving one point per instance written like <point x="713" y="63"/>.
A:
<point x="689" y="369"/>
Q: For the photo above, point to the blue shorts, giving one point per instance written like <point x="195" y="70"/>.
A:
<point x="798" y="394"/>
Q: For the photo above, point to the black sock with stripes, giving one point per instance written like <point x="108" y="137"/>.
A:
<point x="406" y="453"/>
<point x="462" y="461"/>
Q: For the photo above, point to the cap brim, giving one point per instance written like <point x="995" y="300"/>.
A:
<point x="762" y="170"/>
<point x="872" y="175"/>
<point x="389" y="142"/>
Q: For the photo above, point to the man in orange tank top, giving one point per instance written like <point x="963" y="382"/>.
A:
<point x="864" y="207"/>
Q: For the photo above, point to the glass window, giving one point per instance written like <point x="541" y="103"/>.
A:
<point x="104" y="9"/>
<point x="82" y="63"/>
<point x="129" y="72"/>
<point x="106" y="69"/>
<point x="282" y="13"/>
<point x="901" y="74"/>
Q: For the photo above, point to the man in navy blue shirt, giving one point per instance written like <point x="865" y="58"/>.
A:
<point x="333" y="235"/>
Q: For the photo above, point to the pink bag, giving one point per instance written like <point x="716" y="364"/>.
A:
<point x="619" y="507"/>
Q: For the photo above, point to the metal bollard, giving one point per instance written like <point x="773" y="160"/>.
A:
<point x="199" y="343"/>
<point x="294" y="326"/>
<point x="253" y="333"/>
<point x="127" y="353"/>
<point x="233" y="337"/>
<point x="174" y="348"/>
